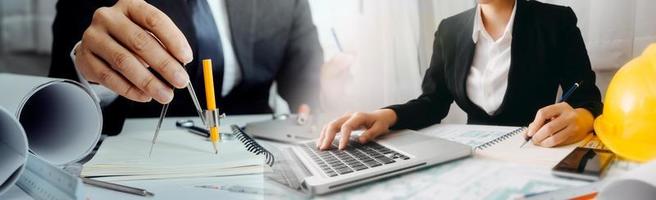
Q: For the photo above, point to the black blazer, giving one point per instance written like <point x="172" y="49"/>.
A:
<point x="547" y="52"/>
<point x="273" y="41"/>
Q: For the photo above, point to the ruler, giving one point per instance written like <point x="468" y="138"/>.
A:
<point x="43" y="181"/>
<point x="593" y="143"/>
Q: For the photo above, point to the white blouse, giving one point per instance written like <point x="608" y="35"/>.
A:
<point x="488" y="76"/>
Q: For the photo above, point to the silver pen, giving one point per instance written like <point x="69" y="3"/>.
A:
<point x="117" y="187"/>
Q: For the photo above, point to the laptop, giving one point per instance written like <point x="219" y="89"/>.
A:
<point x="320" y="172"/>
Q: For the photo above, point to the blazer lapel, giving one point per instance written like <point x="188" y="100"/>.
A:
<point x="241" y="14"/>
<point x="522" y="42"/>
<point x="464" y="57"/>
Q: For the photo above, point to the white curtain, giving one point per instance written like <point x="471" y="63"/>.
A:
<point x="614" y="31"/>
<point x="384" y="37"/>
<point x="392" y="40"/>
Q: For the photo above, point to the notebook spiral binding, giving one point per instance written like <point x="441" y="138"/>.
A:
<point x="251" y="145"/>
<point x="501" y="139"/>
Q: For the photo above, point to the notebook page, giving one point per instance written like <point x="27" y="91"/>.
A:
<point x="472" y="135"/>
<point x="177" y="153"/>
<point x="509" y="150"/>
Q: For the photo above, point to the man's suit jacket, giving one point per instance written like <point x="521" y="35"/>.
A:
<point x="273" y="41"/>
<point x="547" y="52"/>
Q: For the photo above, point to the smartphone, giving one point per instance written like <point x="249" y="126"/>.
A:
<point x="585" y="164"/>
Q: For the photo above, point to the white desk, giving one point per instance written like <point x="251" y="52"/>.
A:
<point x="469" y="178"/>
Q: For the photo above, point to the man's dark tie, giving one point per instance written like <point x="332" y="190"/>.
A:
<point x="209" y="45"/>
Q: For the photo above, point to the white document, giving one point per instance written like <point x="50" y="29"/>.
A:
<point x="176" y="154"/>
<point x="463" y="179"/>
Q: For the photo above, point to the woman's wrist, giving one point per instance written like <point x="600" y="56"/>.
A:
<point x="387" y="115"/>
<point x="585" y="119"/>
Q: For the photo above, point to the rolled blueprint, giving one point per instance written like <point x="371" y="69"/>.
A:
<point x="13" y="150"/>
<point x="637" y="184"/>
<point x="61" y="118"/>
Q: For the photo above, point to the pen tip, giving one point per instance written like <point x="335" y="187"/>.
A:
<point x="216" y="150"/>
<point x="151" y="151"/>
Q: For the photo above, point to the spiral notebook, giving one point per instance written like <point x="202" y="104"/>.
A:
<point x="251" y="145"/>
<point x="507" y="148"/>
<point x="177" y="154"/>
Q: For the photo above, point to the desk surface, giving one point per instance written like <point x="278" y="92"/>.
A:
<point x="470" y="178"/>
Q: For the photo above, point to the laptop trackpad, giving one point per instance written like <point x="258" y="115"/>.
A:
<point x="417" y="143"/>
<point x="404" y="138"/>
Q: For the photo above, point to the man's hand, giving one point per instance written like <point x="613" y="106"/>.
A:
<point x="560" y="124"/>
<point x="127" y="38"/>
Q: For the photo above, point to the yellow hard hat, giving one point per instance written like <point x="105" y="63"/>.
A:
<point x="628" y="123"/>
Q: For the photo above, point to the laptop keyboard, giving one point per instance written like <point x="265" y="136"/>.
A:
<point x="356" y="157"/>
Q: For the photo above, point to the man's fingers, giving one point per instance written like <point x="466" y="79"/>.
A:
<point x="155" y="21"/>
<point x="125" y="63"/>
<point x="98" y="71"/>
<point x="356" y="121"/>
<point x="550" y="129"/>
<point x="148" y="48"/>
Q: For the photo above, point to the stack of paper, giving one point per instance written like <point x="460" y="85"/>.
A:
<point x="177" y="154"/>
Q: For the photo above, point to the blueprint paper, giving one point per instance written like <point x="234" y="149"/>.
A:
<point x="13" y="150"/>
<point x="60" y="117"/>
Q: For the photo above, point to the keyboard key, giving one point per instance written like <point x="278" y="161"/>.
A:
<point x="372" y="163"/>
<point x="331" y="173"/>
<point x="359" y="167"/>
<point x="344" y="170"/>
<point x="386" y="160"/>
<point x="334" y="162"/>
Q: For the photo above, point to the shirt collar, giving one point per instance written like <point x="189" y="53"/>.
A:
<point x="479" y="30"/>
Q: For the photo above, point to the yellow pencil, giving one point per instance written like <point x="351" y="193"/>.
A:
<point x="211" y="102"/>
